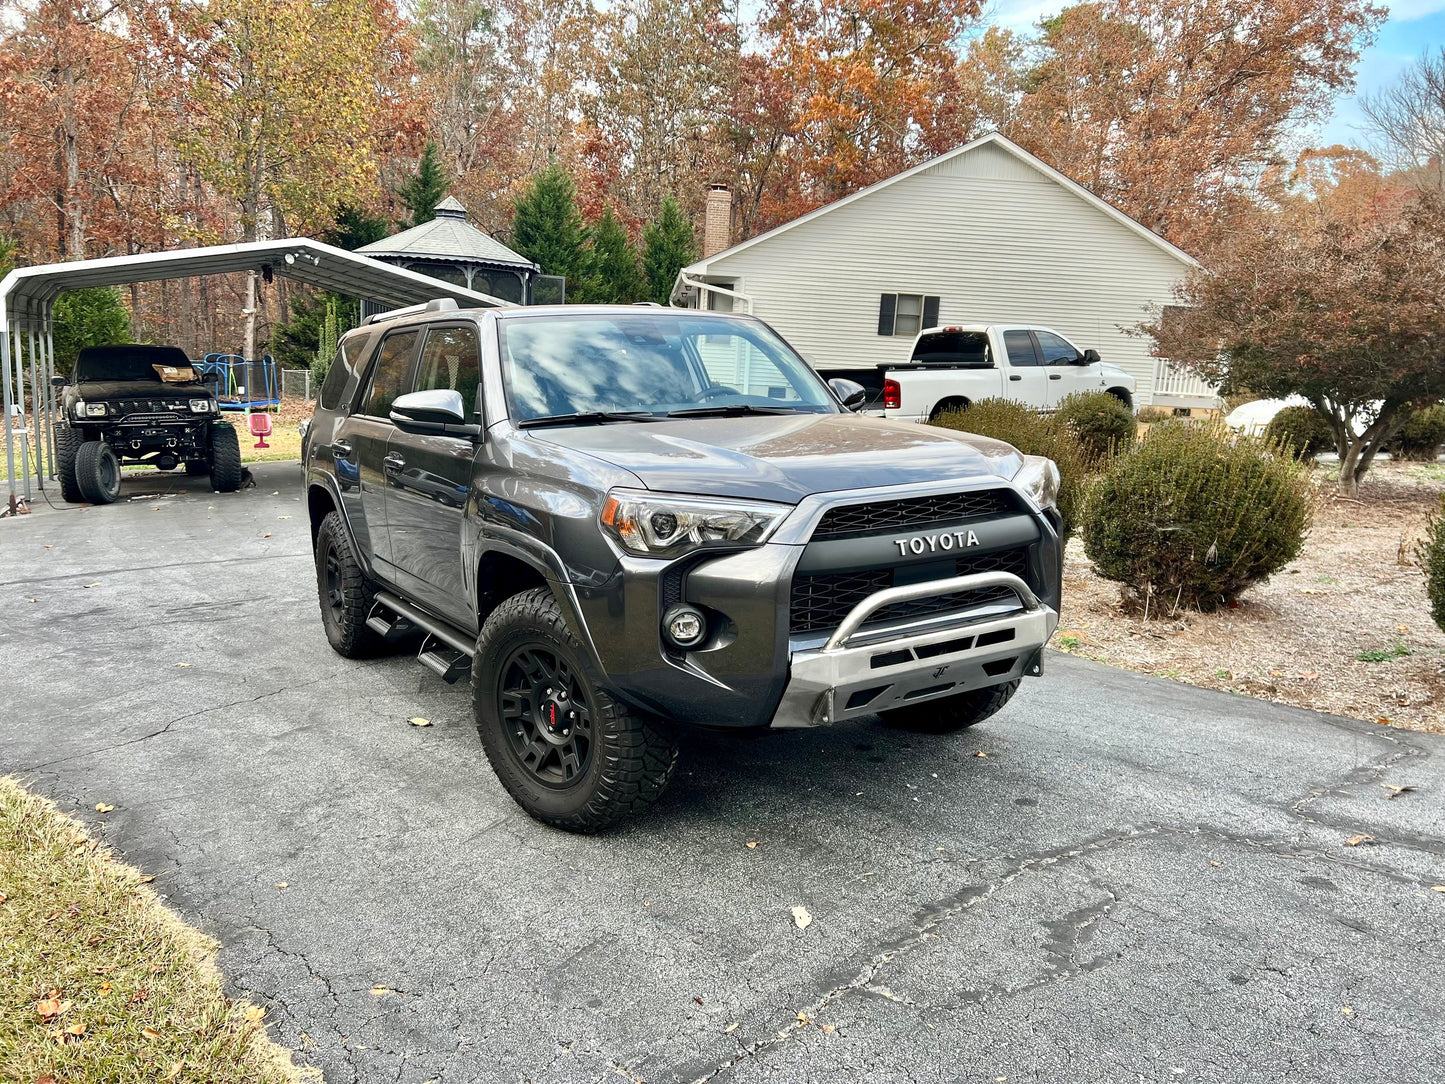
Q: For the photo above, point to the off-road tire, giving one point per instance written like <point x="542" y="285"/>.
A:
<point x="951" y="713"/>
<point x="345" y="593"/>
<point x="97" y="472"/>
<point x="226" y="476"/>
<point x="195" y="468"/>
<point x="631" y="757"/>
<point x="67" y="443"/>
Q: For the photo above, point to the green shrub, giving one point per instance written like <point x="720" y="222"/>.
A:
<point x="1191" y="517"/>
<point x="1104" y="424"/>
<point x="1152" y="414"/>
<point x="1431" y="555"/>
<point x="1421" y="434"/>
<point x="1302" y="430"/>
<point x="1032" y="434"/>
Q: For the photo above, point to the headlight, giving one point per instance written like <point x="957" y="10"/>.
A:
<point x="200" y="406"/>
<point x="651" y="525"/>
<point x="1039" y="478"/>
<point x="93" y="410"/>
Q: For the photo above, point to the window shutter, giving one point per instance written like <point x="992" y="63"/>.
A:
<point x="930" y="312"/>
<point x="887" y="306"/>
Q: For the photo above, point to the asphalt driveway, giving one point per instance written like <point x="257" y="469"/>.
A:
<point x="1117" y="879"/>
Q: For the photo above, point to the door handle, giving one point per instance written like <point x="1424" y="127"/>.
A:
<point x="1014" y="376"/>
<point x="394" y="461"/>
<point x="1056" y="376"/>
<point x="341" y="448"/>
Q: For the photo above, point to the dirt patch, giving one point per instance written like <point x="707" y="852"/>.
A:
<point x="1298" y="639"/>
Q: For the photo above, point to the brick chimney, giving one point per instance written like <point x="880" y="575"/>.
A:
<point x="717" y="223"/>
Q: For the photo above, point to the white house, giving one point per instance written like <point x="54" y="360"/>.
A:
<point x="986" y="233"/>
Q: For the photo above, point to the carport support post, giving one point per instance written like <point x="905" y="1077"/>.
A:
<point x="16" y="353"/>
<point x="37" y="401"/>
<point x="49" y="354"/>
<point x="9" y="395"/>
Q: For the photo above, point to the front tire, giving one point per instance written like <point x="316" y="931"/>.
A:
<point x="952" y="713"/>
<point x="566" y="752"/>
<point x="345" y="592"/>
<point x="67" y="443"/>
<point x="97" y="472"/>
<point x="225" y="459"/>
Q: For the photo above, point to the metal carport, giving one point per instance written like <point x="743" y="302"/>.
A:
<point x="27" y="296"/>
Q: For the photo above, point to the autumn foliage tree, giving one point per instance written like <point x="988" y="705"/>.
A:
<point x="1338" y="297"/>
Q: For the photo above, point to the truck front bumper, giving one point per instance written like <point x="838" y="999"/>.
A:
<point x="858" y="672"/>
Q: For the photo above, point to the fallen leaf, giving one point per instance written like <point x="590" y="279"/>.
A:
<point x="254" y="1013"/>
<point x="803" y="1018"/>
<point x="802" y="918"/>
<point x="266" y="535"/>
<point x="1382" y="721"/>
<point x="150" y="1033"/>
<point x="1347" y="1010"/>
<point x="1355" y="841"/>
<point x="148" y="878"/>
<point x="101" y="807"/>
<point x="52" y="1006"/>
<point x="417" y="720"/>
<point x="980" y="754"/>
<point x="731" y="1028"/>
<point x="1437" y="888"/>
<point x="175" y="1070"/>
<point x="380" y="991"/>
<point x="105" y="988"/>
<point x="1216" y="863"/>
<point x="698" y="1000"/>
<point x="1395" y="791"/>
<point x="828" y="1029"/>
<point x="90" y="585"/>
<point x="751" y="844"/>
<point x="32" y="600"/>
<point x="183" y="665"/>
<point x="75" y="1029"/>
<point x="283" y="884"/>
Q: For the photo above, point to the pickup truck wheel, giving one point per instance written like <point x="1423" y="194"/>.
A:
<point x="67" y="443"/>
<point x="345" y="592"/>
<point x="952" y="713"/>
<point x="225" y="459"/>
<point x="569" y="754"/>
<point x="97" y="472"/>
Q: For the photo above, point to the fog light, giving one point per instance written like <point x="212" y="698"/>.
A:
<point x="684" y="625"/>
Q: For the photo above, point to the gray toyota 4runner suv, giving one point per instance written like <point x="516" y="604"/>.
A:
<point x="618" y="520"/>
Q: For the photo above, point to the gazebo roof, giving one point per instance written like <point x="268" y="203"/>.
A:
<point x="448" y="236"/>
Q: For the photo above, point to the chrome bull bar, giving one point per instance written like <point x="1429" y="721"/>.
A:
<point x="914" y="661"/>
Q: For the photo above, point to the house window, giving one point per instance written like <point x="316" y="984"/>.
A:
<point x="906" y="315"/>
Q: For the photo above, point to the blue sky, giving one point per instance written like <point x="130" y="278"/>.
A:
<point x="1414" y="27"/>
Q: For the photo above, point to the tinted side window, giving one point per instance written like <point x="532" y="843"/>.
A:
<point x="343" y="368"/>
<point x="451" y="361"/>
<point x="1020" y="347"/>
<point x="388" y="375"/>
<point x="1055" y="350"/>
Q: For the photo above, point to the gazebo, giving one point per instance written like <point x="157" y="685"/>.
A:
<point x="451" y="249"/>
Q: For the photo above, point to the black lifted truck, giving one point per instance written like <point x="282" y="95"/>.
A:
<point x="621" y="520"/>
<point x="139" y="404"/>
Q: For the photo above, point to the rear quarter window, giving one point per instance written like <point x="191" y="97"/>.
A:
<point x="340" y="383"/>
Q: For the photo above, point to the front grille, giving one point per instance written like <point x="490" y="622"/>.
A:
<point x="858" y="519"/>
<point x="820" y="601"/>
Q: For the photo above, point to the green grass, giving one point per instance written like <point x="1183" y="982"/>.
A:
<point x="102" y="983"/>
<point x="1397" y="650"/>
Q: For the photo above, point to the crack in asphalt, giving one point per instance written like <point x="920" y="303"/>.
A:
<point x="149" y="568"/>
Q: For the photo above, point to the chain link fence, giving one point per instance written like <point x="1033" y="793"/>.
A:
<point x="298" y="384"/>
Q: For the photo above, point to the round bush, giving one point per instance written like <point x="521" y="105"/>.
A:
<point x="1302" y="430"/>
<point x="1191" y="517"/>
<point x="1032" y="434"/>
<point x="1104" y="424"/>
<point x="1421" y="434"/>
<point x="1431" y="555"/>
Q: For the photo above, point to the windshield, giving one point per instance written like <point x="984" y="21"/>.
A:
<point x="651" y="362"/>
<point x="126" y="362"/>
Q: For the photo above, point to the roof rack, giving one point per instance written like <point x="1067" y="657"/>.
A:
<point x="436" y="304"/>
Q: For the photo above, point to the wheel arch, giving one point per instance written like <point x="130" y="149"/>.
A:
<point x="1122" y="394"/>
<point x="320" y="501"/>
<point x="948" y="405"/>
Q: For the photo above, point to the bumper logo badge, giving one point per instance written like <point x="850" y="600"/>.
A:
<point x="932" y="543"/>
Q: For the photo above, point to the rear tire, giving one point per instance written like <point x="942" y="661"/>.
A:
<point x="566" y="752"/>
<point x="67" y="443"/>
<point x="225" y="459"/>
<point x="952" y="713"/>
<point x="344" y="591"/>
<point x="97" y="472"/>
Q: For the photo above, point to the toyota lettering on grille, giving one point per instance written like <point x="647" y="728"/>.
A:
<point x="932" y="543"/>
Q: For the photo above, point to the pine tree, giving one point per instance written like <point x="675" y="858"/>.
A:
<point x="427" y="187"/>
<point x="547" y="229"/>
<point x="355" y="226"/>
<point x="615" y="265"/>
<point x="669" y="246"/>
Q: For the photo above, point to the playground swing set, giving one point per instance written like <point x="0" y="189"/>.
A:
<point x="246" y="385"/>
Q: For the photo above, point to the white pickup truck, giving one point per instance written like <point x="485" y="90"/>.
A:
<point x="952" y="366"/>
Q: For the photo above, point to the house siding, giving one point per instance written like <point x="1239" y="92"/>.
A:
<point x="996" y="239"/>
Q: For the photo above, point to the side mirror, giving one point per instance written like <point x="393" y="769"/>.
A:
<point x="440" y="411"/>
<point x="1091" y="357"/>
<point x="849" y="392"/>
<point x="58" y="382"/>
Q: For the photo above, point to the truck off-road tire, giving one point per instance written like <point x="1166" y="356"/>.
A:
<point x="951" y="713"/>
<point x="197" y="467"/>
<point x="569" y="754"/>
<point x="225" y="459"/>
<point x="345" y="592"/>
<point x="97" y="472"/>
<point x="67" y="443"/>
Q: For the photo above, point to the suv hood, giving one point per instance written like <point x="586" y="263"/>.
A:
<point x="139" y="389"/>
<point x="783" y="457"/>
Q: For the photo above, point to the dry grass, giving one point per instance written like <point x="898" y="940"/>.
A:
<point x="102" y="984"/>
<point x="1345" y="628"/>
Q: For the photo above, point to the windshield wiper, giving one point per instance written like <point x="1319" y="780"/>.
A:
<point x="589" y="417"/>
<point x="728" y="410"/>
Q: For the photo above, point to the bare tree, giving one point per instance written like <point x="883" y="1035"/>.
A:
<point x="1409" y="120"/>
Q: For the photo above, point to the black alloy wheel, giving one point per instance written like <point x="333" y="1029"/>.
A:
<point x="545" y="716"/>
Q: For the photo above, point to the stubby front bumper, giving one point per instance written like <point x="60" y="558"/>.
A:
<point x="859" y="672"/>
